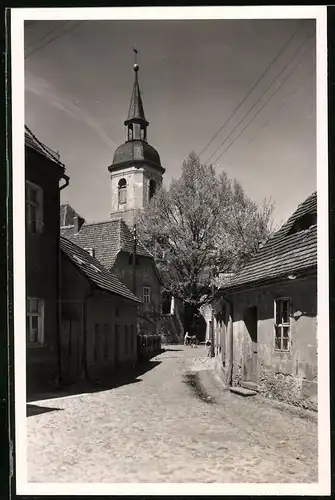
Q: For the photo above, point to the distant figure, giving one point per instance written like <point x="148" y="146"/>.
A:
<point x="186" y="338"/>
<point x="208" y="348"/>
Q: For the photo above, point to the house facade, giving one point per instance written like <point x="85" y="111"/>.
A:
<point x="265" y="317"/>
<point x="111" y="242"/>
<point x="99" y="318"/>
<point x="45" y="177"/>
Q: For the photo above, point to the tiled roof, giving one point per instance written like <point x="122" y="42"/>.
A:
<point x="107" y="238"/>
<point x="286" y="252"/>
<point x="67" y="215"/>
<point x="94" y="271"/>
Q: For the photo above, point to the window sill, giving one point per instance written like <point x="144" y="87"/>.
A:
<point x="282" y="351"/>
<point x="36" y="346"/>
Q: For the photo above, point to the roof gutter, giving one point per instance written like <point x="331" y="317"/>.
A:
<point x="67" y="181"/>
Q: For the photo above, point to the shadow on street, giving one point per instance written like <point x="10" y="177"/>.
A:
<point x="33" y="410"/>
<point x="131" y="376"/>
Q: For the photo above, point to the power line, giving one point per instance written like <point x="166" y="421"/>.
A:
<point x="257" y="101"/>
<point x="272" y="62"/>
<point x="53" y="39"/>
<point x="277" y="111"/>
<point x="43" y="37"/>
<point x="260" y="109"/>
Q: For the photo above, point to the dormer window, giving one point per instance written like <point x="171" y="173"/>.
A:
<point x="122" y="191"/>
<point x="304" y="222"/>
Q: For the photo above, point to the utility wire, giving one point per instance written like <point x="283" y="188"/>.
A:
<point x="257" y="101"/>
<point x="52" y="39"/>
<point x="43" y="37"/>
<point x="260" y="109"/>
<point x="277" y="111"/>
<point x="272" y="62"/>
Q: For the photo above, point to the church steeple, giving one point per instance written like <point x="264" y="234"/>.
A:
<point x="136" y="122"/>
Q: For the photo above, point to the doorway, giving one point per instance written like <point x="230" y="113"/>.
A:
<point x="251" y="356"/>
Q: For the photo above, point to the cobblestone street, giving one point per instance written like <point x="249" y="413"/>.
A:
<point x="156" y="429"/>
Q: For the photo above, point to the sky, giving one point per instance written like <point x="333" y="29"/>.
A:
<point x="193" y="75"/>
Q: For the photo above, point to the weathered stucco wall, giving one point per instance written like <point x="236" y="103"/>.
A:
<point x="287" y="376"/>
<point x="146" y="276"/>
<point x="42" y="256"/>
<point x="85" y="310"/>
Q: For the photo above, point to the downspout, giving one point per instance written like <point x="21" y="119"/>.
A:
<point x="59" y="296"/>
<point x="85" y="331"/>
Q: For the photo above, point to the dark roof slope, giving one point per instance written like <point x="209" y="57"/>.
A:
<point x="94" y="271"/>
<point x="67" y="215"/>
<point x="107" y="238"/>
<point x="34" y="143"/>
<point x="286" y="252"/>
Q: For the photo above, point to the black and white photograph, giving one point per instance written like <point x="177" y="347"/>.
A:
<point x="170" y="250"/>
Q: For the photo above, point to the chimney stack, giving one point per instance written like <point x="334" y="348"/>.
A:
<point x="77" y="222"/>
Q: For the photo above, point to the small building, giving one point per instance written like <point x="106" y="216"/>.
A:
<point x="99" y="318"/>
<point x="266" y="315"/>
<point x="112" y="243"/>
<point x="45" y="177"/>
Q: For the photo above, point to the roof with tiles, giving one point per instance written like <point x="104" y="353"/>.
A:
<point x="94" y="271"/>
<point x="107" y="238"/>
<point x="291" y="249"/>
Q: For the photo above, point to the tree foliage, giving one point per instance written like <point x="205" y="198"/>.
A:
<point x="203" y="224"/>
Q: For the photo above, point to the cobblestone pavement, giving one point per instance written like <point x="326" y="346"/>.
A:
<point x="159" y="430"/>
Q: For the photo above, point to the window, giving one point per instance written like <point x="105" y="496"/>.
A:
<point x="90" y="251"/>
<point x="122" y="191"/>
<point x="106" y="341"/>
<point x="96" y="343"/>
<point x="34" y="208"/>
<point x="152" y="188"/>
<point x="282" y="324"/>
<point x="35" y="321"/>
<point x="304" y="222"/>
<point x="146" y="295"/>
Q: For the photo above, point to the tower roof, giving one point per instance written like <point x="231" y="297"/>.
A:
<point x="136" y="110"/>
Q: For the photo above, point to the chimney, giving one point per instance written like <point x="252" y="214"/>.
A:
<point x="77" y="222"/>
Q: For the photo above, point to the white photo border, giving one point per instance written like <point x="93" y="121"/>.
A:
<point x="18" y="16"/>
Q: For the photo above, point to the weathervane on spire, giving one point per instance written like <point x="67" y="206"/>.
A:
<point x="135" y="59"/>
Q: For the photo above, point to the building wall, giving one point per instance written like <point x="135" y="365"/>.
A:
<point x="138" y="179"/>
<point x="92" y="313"/>
<point x="42" y="256"/>
<point x="146" y="276"/>
<point x="286" y="376"/>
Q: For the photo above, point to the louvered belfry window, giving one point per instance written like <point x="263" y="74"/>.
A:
<point x="282" y="324"/>
<point x="122" y="191"/>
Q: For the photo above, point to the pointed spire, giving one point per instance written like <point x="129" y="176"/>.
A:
<point x="136" y="111"/>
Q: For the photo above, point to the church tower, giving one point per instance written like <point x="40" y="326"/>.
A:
<point x="136" y="171"/>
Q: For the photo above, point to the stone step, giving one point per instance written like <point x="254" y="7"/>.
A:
<point x="242" y="391"/>
<point x="247" y="384"/>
